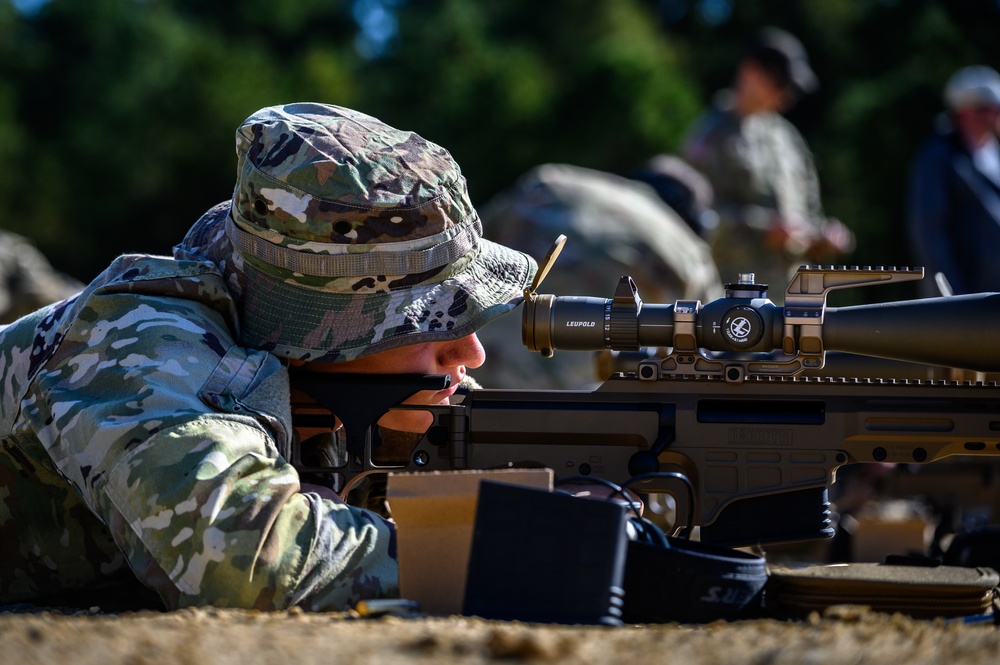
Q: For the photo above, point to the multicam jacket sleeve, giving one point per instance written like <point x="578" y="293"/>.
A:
<point x="762" y="172"/>
<point x="758" y="161"/>
<point x="134" y="401"/>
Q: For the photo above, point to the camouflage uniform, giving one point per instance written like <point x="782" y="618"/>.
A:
<point x="27" y="280"/>
<point x="762" y="171"/>
<point x="615" y="226"/>
<point x="146" y="422"/>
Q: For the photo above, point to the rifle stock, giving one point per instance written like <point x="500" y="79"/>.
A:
<point x="733" y="442"/>
<point x="747" y="455"/>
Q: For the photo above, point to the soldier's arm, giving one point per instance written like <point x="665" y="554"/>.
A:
<point x="197" y="495"/>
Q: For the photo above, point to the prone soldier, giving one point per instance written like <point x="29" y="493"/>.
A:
<point x="146" y="421"/>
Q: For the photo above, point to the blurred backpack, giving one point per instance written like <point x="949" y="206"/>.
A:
<point x="615" y="226"/>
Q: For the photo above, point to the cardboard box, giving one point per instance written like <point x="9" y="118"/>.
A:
<point x="435" y="512"/>
<point x="874" y="537"/>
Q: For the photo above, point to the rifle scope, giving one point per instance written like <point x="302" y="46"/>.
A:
<point x="954" y="331"/>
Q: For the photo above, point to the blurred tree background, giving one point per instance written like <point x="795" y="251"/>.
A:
<point x="117" y="116"/>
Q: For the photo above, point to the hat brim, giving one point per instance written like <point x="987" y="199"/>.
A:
<point x="302" y="323"/>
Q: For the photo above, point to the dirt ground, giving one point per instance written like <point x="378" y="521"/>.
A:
<point x="847" y="635"/>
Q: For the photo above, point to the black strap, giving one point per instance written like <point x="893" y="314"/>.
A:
<point x="691" y="582"/>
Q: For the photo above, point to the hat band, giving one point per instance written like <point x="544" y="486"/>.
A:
<point x="377" y="262"/>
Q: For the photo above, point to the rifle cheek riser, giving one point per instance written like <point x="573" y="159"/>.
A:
<point x="735" y="407"/>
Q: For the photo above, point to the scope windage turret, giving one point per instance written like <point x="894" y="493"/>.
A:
<point x="956" y="331"/>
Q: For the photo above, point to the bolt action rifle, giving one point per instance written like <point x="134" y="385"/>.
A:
<point x="725" y="420"/>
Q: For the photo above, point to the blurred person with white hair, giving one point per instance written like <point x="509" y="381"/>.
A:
<point x="954" y="192"/>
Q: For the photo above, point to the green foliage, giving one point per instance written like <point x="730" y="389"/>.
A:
<point x="127" y="112"/>
<point x="506" y="86"/>
<point x="117" y="116"/>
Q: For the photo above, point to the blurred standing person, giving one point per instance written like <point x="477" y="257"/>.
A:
<point x="766" y="188"/>
<point x="954" y="194"/>
<point x="614" y="226"/>
<point x="27" y="279"/>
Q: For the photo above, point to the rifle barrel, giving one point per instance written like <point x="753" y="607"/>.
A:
<point x="955" y="331"/>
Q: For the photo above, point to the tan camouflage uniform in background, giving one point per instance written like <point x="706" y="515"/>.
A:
<point x="761" y="169"/>
<point x="614" y="226"/>
<point x="27" y="279"/>
<point x="766" y="188"/>
<point x="146" y="422"/>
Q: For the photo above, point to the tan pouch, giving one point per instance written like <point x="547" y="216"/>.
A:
<point x="919" y="591"/>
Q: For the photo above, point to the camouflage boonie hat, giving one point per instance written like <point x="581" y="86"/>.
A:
<point x="345" y="237"/>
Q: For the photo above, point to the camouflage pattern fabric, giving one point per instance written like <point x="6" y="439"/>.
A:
<point x="762" y="171"/>
<point x="346" y="237"/>
<point x="27" y="279"/>
<point x="137" y="434"/>
<point x="615" y="226"/>
<point x="146" y="423"/>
